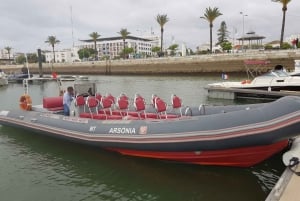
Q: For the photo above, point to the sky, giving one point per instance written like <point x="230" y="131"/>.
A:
<point x="26" y="24"/>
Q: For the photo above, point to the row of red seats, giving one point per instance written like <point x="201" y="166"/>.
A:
<point x="109" y="107"/>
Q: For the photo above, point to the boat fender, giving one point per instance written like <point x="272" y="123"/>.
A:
<point x="202" y="109"/>
<point x="25" y="102"/>
<point x="291" y="158"/>
<point x="188" y="111"/>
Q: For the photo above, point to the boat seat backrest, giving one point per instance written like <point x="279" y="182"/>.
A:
<point x="160" y="105"/>
<point x="111" y="97"/>
<point x="79" y="101"/>
<point x="138" y="97"/>
<point x="139" y="104"/>
<point x="123" y="96"/>
<point x="106" y="102"/>
<point x="92" y="103"/>
<point x="123" y="103"/>
<point x="176" y="101"/>
<point x="98" y="96"/>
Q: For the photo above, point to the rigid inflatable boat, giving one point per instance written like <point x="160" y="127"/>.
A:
<point x="233" y="135"/>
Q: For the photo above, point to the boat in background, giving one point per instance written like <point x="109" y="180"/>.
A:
<point x="18" y="77"/>
<point x="277" y="79"/>
<point x="3" y="78"/>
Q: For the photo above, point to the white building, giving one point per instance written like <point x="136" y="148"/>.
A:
<point x="154" y="39"/>
<point x="4" y="54"/>
<point x="61" y="56"/>
<point x="113" y="46"/>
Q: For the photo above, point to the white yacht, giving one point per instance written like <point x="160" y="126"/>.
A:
<point x="275" y="80"/>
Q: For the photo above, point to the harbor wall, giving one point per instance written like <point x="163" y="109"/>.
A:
<point x="192" y="65"/>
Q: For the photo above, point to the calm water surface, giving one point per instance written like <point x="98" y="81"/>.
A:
<point x="34" y="167"/>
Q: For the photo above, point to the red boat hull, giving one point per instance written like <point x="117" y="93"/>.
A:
<point x="239" y="157"/>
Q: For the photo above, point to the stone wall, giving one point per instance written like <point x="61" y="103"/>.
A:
<point x="199" y="64"/>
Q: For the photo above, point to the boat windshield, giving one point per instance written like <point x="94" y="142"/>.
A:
<point x="276" y="73"/>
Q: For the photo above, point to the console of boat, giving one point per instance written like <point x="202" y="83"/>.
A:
<point x="233" y="135"/>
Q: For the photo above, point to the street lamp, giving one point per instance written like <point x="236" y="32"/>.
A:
<point x="244" y="15"/>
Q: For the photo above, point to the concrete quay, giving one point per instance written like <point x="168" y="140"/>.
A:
<point x="191" y="65"/>
<point x="287" y="186"/>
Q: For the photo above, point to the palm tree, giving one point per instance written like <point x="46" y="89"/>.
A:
<point x="95" y="36"/>
<point x="161" y="20"/>
<point x="210" y="15"/>
<point x="284" y="9"/>
<point x="8" y="49"/>
<point x="124" y="33"/>
<point x="52" y="41"/>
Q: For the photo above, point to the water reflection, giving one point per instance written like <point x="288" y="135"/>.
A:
<point x="86" y="173"/>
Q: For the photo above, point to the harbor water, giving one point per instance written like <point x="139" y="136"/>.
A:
<point x="35" y="167"/>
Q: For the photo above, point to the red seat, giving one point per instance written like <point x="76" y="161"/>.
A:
<point x="106" y="105"/>
<point x="80" y="104"/>
<point x="140" y="105"/>
<point x="53" y="103"/>
<point x="98" y="96"/>
<point x="160" y="106"/>
<point x="176" y="103"/>
<point x="123" y="104"/>
<point x="79" y="101"/>
<point x="92" y="104"/>
<point x="111" y="97"/>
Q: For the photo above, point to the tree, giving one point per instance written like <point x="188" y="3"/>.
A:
<point x="32" y="58"/>
<point x="162" y="20"/>
<point x="155" y="49"/>
<point x="286" y="46"/>
<point x="223" y="33"/>
<point x="86" y="53"/>
<point x="284" y="9"/>
<point x="126" y="51"/>
<point x="95" y="36"/>
<point x="173" y="48"/>
<point x="210" y="15"/>
<point x="226" y="46"/>
<point x="124" y="33"/>
<point x="20" y="59"/>
<point x="8" y="49"/>
<point x="52" y="41"/>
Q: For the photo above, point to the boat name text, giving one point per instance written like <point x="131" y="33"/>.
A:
<point x="122" y="131"/>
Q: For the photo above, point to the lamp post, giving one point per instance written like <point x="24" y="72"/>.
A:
<point x="244" y="15"/>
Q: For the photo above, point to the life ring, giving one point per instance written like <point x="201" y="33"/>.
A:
<point x="246" y="82"/>
<point x="25" y="102"/>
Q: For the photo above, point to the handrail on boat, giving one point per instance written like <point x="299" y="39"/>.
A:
<point x="254" y="63"/>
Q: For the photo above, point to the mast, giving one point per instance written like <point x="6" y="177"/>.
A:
<point x="72" y="25"/>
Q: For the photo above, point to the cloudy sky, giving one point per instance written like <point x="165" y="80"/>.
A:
<point x="26" y="24"/>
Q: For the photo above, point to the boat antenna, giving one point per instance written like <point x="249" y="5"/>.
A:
<point x="26" y="63"/>
<point x="25" y="81"/>
<point x="72" y="25"/>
